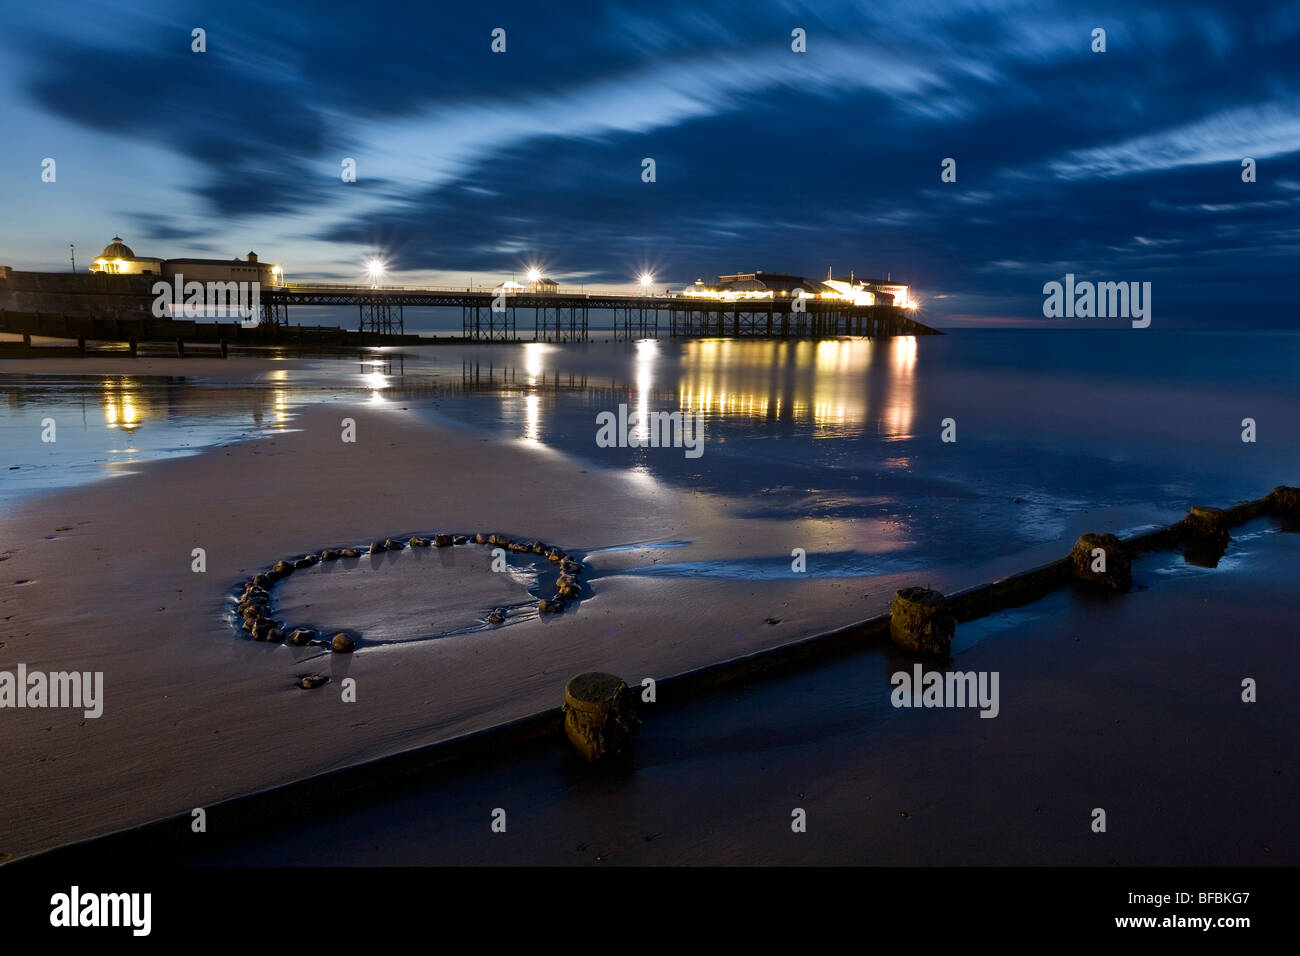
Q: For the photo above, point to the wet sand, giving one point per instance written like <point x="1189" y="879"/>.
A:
<point x="1131" y="703"/>
<point x="98" y="578"/>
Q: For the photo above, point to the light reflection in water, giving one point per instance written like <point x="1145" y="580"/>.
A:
<point x="535" y="368"/>
<point x="376" y="382"/>
<point x="535" y="360"/>
<point x="123" y="407"/>
<point x="647" y="351"/>
<point x="532" y="418"/>
<point x="831" y="384"/>
<point x="896" y="418"/>
<point x="280" y="398"/>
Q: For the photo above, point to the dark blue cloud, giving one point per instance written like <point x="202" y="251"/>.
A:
<point x="1121" y="165"/>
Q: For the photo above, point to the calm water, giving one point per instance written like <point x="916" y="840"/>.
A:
<point x="1065" y="421"/>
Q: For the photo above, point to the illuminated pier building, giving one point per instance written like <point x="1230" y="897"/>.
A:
<point x="780" y="285"/>
<point x="119" y="259"/>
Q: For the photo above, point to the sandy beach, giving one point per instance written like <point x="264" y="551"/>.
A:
<point x="98" y="578"/>
<point x="1129" y="703"/>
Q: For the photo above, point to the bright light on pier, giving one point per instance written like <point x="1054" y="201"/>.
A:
<point x="376" y="270"/>
<point x="647" y="280"/>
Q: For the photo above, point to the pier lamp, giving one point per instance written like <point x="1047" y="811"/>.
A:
<point x="647" y="280"/>
<point x="376" y="270"/>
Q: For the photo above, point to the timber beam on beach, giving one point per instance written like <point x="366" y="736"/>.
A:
<point x="921" y="621"/>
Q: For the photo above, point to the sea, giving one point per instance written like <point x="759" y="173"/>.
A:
<point x="961" y="447"/>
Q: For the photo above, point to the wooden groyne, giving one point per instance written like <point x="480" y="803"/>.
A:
<point x="170" y="837"/>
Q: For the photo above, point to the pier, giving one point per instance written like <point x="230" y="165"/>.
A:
<point x="116" y="312"/>
<point x="564" y="316"/>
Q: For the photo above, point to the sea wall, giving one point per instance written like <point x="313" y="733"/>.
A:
<point x="76" y="294"/>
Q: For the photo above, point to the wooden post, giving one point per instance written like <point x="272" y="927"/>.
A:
<point x="180" y="347"/>
<point x="599" y="717"/>
<point x="1102" y="559"/>
<point x="920" y="621"/>
<point x="134" y="345"/>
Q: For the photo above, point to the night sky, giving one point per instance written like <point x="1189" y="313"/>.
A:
<point x="1123" y="165"/>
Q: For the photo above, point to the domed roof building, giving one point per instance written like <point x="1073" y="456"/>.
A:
<point x="119" y="259"/>
<point x="117" y="249"/>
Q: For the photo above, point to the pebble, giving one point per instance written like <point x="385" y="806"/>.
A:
<point x="255" y="602"/>
<point x="312" y="680"/>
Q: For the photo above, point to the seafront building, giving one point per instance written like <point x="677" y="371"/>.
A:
<point x="771" y="285"/>
<point x="119" y="259"/>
